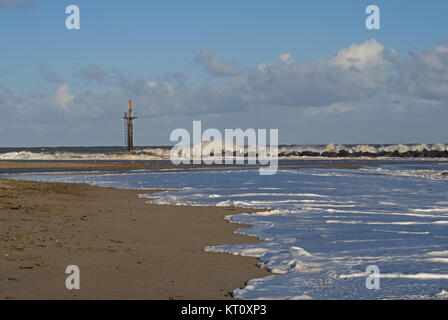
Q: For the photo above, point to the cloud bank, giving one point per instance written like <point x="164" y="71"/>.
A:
<point x="338" y="84"/>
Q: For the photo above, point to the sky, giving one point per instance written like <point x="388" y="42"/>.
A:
<point x="310" y="69"/>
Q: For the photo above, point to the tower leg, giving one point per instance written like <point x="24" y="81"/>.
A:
<point x="130" y="136"/>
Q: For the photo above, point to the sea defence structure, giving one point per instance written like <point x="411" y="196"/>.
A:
<point x="129" y="117"/>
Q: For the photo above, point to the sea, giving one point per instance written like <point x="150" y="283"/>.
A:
<point x="326" y="219"/>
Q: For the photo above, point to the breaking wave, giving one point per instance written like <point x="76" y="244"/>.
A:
<point x="375" y="151"/>
<point x="87" y="153"/>
<point x="284" y="152"/>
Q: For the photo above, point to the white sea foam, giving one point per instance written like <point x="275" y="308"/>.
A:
<point x="438" y="260"/>
<point x="420" y="173"/>
<point x="443" y="253"/>
<point x="401" y="232"/>
<point x="443" y="294"/>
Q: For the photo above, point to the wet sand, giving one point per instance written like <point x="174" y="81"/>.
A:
<point x="125" y="248"/>
<point x="33" y="166"/>
<point x="67" y="164"/>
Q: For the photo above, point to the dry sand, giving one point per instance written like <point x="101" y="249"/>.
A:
<point x="125" y="248"/>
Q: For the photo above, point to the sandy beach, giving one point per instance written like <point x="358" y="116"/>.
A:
<point x="124" y="247"/>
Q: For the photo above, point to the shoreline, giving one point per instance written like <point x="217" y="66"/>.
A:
<point x="125" y="248"/>
<point x="154" y="252"/>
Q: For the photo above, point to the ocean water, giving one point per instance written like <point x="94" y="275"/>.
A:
<point x="321" y="228"/>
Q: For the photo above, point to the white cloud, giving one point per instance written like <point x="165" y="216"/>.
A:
<point x="424" y="75"/>
<point x="62" y="98"/>
<point x="355" y="73"/>
<point x="332" y="109"/>
<point x="360" y="56"/>
<point x="286" y="57"/>
<point x="215" y="66"/>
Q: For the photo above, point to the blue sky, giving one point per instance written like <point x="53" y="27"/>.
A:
<point x="309" y="68"/>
